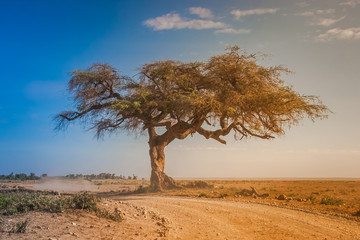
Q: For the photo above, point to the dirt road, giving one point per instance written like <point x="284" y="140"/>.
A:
<point x="218" y="219"/>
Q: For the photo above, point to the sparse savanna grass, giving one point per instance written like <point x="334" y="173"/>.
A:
<point x="20" y="202"/>
<point x="343" y="192"/>
<point x="331" y="201"/>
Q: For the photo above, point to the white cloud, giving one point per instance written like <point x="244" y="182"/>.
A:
<point x="257" y="11"/>
<point x="305" y="14"/>
<point x="325" y="11"/>
<point x="174" y="21"/>
<point x="338" y="33"/>
<point x="312" y="13"/>
<point x="326" y="21"/>
<point x="351" y="3"/>
<point x="303" y="4"/>
<point x="232" y="31"/>
<point x="201" y="12"/>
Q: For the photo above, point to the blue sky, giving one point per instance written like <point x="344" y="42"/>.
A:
<point x="42" y="41"/>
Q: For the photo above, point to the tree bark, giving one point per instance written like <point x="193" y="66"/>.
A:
<point x="159" y="180"/>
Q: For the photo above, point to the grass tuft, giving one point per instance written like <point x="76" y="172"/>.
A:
<point x="204" y="195"/>
<point x="21" y="227"/>
<point x="331" y="201"/>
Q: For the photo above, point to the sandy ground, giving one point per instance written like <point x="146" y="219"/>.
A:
<point x="151" y="217"/>
<point x="219" y="219"/>
<point x="185" y="217"/>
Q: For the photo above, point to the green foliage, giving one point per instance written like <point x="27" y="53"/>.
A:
<point x="331" y="201"/>
<point x="99" y="176"/>
<point x="230" y="91"/>
<point x="13" y="203"/>
<point x="20" y="202"/>
<point x="19" y="176"/>
<point x="83" y="201"/>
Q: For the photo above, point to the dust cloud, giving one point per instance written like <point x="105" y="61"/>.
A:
<point x="65" y="185"/>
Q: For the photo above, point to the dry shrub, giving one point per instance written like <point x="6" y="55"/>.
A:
<point x="331" y="201"/>
<point x="21" y="227"/>
<point x="198" y="184"/>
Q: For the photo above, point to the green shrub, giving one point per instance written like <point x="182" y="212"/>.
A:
<point x="331" y="201"/>
<point x="115" y="215"/>
<point x="19" y="202"/>
<point x="83" y="201"/>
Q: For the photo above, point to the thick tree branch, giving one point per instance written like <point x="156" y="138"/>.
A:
<point x="217" y="133"/>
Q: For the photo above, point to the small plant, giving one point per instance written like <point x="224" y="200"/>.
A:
<point x="115" y="216"/>
<point x="331" y="201"/>
<point x="312" y="199"/>
<point x="21" y="227"/>
<point x="83" y="201"/>
<point x="204" y="195"/>
<point x="198" y="184"/>
<point x="357" y="213"/>
<point x="223" y="195"/>
<point x="142" y="189"/>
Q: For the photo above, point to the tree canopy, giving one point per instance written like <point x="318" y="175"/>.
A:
<point x="229" y="93"/>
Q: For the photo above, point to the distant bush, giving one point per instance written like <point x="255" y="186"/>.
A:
<point x="198" y="184"/>
<point x="331" y="201"/>
<point x="223" y="195"/>
<point x="19" y="176"/>
<point x="100" y="176"/>
<point x="312" y="199"/>
<point x="142" y="189"/>
<point x="203" y="195"/>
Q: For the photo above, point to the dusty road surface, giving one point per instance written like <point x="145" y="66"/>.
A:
<point x="187" y="218"/>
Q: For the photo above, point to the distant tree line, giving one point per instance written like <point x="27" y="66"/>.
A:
<point x="100" y="176"/>
<point x="21" y="176"/>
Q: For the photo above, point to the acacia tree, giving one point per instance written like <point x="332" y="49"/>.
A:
<point x="229" y="93"/>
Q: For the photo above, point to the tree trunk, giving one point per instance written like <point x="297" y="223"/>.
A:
<point x="159" y="180"/>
